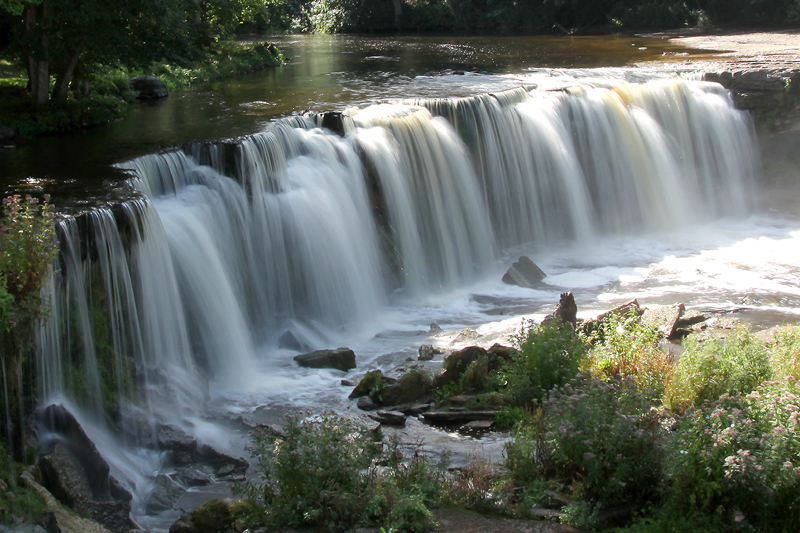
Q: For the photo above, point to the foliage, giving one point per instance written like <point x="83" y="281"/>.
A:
<point x="509" y="418"/>
<point x="27" y="248"/>
<point x="477" y="486"/>
<point x="547" y="355"/>
<point x="323" y="471"/>
<point x="785" y="353"/>
<point x="628" y="347"/>
<point x="734" y="459"/>
<point x="603" y="436"/>
<point x="708" y="369"/>
<point x="15" y="501"/>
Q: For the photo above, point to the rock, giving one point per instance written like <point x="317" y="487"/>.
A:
<point x="390" y="418"/>
<point x="348" y="383"/>
<point x="414" y="386"/>
<point x="663" y="318"/>
<point x="524" y="273"/>
<point x="365" y="403"/>
<point x="426" y="352"/>
<point x="456" y="363"/>
<point x="566" y="310"/>
<point x="114" y="515"/>
<point x="222" y="464"/>
<point x="215" y="515"/>
<point x="457" y="417"/>
<point x="174" y="439"/>
<point x="435" y="329"/>
<point x="291" y="341"/>
<point x="479" y="424"/>
<point x="340" y="359"/>
<point x="166" y="491"/>
<point x="499" y="355"/>
<point x="690" y="318"/>
<point x="371" y="383"/>
<point x="628" y="309"/>
<point x="192" y="477"/>
<point x="57" y="518"/>
<point x="148" y="87"/>
<point x="59" y="420"/>
<point x="467" y="334"/>
<point x="65" y="477"/>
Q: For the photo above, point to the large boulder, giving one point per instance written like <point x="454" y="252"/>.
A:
<point x="166" y="491"/>
<point x="372" y="382"/>
<point x="148" y="87"/>
<point x="414" y="386"/>
<point x="457" y="363"/>
<point x="65" y="477"/>
<point x="215" y="515"/>
<point x="221" y="464"/>
<point x="56" y="517"/>
<point x="340" y="359"/>
<point x="524" y="273"/>
<point x="663" y="319"/>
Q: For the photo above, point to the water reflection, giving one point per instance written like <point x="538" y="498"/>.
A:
<point x="324" y="73"/>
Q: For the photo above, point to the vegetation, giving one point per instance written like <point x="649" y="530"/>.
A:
<point x="611" y="445"/>
<point x="27" y="249"/>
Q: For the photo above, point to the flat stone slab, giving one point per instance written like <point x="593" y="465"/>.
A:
<point x="663" y="318"/>
<point x="339" y="359"/>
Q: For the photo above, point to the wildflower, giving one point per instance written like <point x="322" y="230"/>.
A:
<point x="788" y="465"/>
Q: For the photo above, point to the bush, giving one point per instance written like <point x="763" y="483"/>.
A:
<point x="785" y="353"/>
<point x="323" y="471"/>
<point x="734" y="459"/>
<point x="708" y="369"/>
<point x="16" y="502"/>
<point x="547" y="355"/>
<point x="603" y="436"/>
<point x="630" y="348"/>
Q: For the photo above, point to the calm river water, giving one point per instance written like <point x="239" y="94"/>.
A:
<point x="323" y="73"/>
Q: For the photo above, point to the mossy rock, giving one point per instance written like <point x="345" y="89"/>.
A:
<point x="371" y="382"/>
<point x="414" y="386"/>
<point x="214" y="515"/>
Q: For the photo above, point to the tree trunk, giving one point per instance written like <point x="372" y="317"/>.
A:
<point x="64" y="77"/>
<point x="38" y="69"/>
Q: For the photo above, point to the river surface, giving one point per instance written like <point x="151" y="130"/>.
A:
<point x="324" y="73"/>
<point x="741" y="262"/>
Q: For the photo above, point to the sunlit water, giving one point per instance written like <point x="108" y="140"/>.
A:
<point x="616" y="190"/>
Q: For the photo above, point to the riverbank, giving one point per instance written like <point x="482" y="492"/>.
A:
<point x="105" y="95"/>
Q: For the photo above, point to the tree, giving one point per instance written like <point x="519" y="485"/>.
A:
<point x="27" y="249"/>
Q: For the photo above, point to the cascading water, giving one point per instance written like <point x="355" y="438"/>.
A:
<point x="209" y="277"/>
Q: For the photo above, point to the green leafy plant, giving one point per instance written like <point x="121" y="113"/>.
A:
<point x="708" y="369"/>
<point x="628" y="347"/>
<point x="603" y="436"/>
<point x="547" y="355"/>
<point x="735" y="459"/>
<point x="785" y="353"/>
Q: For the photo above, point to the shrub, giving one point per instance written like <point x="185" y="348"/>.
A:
<point x="708" y="369"/>
<point x="603" y="436"/>
<point x="631" y="348"/>
<point x="478" y="486"/>
<point x="323" y="471"/>
<point x="547" y="355"/>
<point x="785" y="353"/>
<point x="734" y="459"/>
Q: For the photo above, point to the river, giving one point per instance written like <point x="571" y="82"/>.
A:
<point x="590" y="155"/>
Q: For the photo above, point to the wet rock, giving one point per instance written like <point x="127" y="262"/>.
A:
<point x="114" y="515"/>
<point x="663" y="318"/>
<point x="457" y="363"/>
<point x="365" y="403"/>
<point x="390" y="418"/>
<point x="340" y="359"/>
<point x="467" y="334"/>
<point x="370" y="384"/>
<point x="56" y="517"/>
<point x="457" y="416"/>
<point x="174" y="439"/>
<point x="566" y="311"/>
<point x="426" y="352"/>
<point x="479" y="424"/>
<point x="435" y="329"/>
<point x="148" y="87"/>
<point x="215" y="515"/>
<point x="192" y="477"/>
<point x="166" y="491"/>
<point x="291" y="341"/>
<point x="62" y="422"/>
<point x="412" y="387"/>
<point x="64" y="476"/>
<point x="222" y="465"/>
<point x="524" y="273"/>
<point x="348" y="383"/>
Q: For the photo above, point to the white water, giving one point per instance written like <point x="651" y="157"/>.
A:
<point x="616" y="190"/>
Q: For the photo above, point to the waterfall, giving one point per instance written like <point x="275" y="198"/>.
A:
<point x="313" y="233"/>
